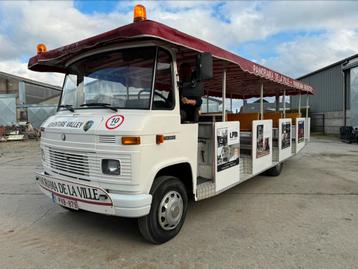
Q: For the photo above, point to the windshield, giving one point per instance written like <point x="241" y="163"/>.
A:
<point x="119" y="79"/>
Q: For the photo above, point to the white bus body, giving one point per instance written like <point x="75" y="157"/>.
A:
<point x="119" y="148"/>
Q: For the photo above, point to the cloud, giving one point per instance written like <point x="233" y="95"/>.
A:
<point x="7" y="49"/>
<point x="320" y="34"/>
<point x="308" y="53"/>
<point x="312" y="15"/>
<point x="270" y="17"/>
<point x="25" y="24"/>
<point x="56" y="23"/>
<point x="20" y="69"/>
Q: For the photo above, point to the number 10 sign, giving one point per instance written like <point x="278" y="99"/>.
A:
<point x="114" y="122"/>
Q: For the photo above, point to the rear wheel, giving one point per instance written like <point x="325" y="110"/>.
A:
<point x="275" y="171"/>
<point x="168" y="210"/>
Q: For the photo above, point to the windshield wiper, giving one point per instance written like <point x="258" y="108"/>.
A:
<point x="68" y="107"/>
<point x="100" y="105"/>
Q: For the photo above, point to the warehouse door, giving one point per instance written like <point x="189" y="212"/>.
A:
<point x="354" y="96"/>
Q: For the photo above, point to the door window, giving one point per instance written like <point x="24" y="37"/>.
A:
<point x="163" y="96"/>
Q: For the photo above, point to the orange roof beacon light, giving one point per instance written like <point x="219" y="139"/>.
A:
<point x="139" y="13"/>
<point x="41" y="48"/>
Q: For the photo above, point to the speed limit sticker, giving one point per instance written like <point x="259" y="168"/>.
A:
<point x="114" y="122"/>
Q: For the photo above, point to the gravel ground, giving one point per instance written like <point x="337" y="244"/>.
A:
<point x="305" y="218"/>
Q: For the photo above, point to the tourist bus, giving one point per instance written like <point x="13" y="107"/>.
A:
<point x="118" y="144"/>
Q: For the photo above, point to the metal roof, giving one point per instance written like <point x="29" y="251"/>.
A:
<point x="29" y="81"/>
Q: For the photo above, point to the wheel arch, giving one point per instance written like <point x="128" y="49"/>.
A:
<point x="183" y="171"/>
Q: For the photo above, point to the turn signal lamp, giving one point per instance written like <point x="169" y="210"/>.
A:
<point x="140" y="13"/>
<point x="159" y="139"/>
<point x="130" y="140"/>
<point x="41" y="48"/>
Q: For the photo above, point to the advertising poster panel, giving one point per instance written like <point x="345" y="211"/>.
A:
<point x="228" y="148"/>
<point x="263" y="142"/>
<point x="301" y="131"/>
<point x="285" y="135"/>
<point x="261" y="145"/>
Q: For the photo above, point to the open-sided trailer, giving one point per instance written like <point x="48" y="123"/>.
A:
<point x="117" y="145"/>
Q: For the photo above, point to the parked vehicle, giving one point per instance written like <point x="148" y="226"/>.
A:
<point x="118" y="145"/>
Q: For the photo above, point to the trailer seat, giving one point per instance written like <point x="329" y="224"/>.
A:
<point x="245" y="119"/>
<point x="293" y="116"/>
<point x="274" y="116"/>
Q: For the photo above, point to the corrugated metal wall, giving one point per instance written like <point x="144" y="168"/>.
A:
<point x="328" y="85"/>
<point x="7" y="109"/>
<point x="38" y="114"/>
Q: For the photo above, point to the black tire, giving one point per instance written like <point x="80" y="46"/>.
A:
<point x="274" y="171"/>
<point x="149" y="225"/>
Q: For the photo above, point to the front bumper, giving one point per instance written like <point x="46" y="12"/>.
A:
<point x="95" y="199"/>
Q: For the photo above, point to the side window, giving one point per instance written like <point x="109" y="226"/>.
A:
<point x="69" y="92"/>
<point x="163" y="98"/>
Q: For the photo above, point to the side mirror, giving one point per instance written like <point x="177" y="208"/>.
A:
<point x="204" y="62"/>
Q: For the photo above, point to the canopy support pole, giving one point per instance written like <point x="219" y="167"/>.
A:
<point x="231" y="103"/>
<point x="299" y="104"/>
<point x="207" y="101"/>
<point x="277" y="102"/>
<point x="307" y="104"/>
<point x="224" y="96"/>
<point x="284" y="103"/>
<point x="244" y="104"/>
<point x="262" y="102"/>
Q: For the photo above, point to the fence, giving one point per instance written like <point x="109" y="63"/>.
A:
<point x="37" y="114"/>
<point x="7" y="109"/>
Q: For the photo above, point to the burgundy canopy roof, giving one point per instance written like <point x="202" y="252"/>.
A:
<point x="243" y="76"/>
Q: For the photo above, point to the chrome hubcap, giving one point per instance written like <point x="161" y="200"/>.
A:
<point x="170" y="210"/>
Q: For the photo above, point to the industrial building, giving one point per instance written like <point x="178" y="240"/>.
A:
<point x="26" y="100"/>
<point x="335" y="103"/>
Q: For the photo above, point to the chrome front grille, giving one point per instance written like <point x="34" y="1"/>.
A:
<point x="85" y="165"/>
<point x="69" y="162"/>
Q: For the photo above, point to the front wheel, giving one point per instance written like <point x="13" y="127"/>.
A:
<point x="168" y="210"/>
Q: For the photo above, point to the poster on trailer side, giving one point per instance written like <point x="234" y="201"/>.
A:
<point x="285" y="135"/>
<point x="228" y="148"/>
<point x="262" y="141"/>
<point x="301" y="131"/>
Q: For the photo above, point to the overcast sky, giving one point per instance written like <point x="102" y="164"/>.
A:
<point x="293" y="38"/>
